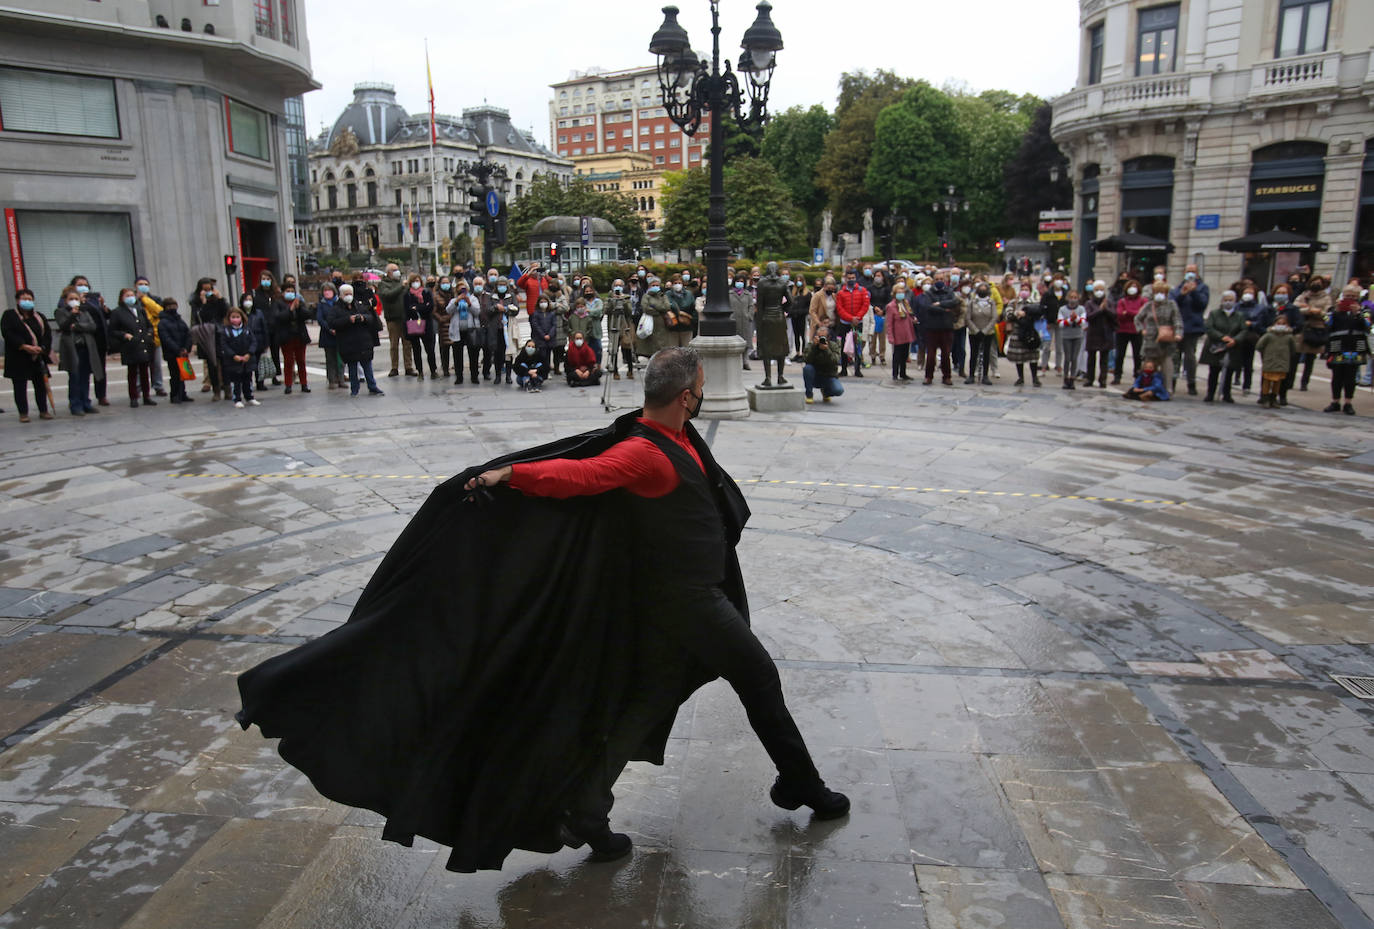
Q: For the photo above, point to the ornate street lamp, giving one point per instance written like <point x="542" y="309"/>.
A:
<point x="692" y="87"/>
<point x="950" y="205"/>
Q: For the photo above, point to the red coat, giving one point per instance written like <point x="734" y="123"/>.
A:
<point x="533" y="286"/>
<point x="851" y="304"/>
<point x="582" y="357"/>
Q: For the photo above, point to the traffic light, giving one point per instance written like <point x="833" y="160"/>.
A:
<point x="477" y="206"/>
<point x="231" y="265"/>
<point x="553" y="252"/>
<point x="1001" y="244"/>
<point x="498" y="227"/>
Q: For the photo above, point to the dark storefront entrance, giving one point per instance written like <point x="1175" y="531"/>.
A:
<point x="1285" y="193"/>
<point x="258" y="250"/>
<point x="1147" y="196"/>
<point x="1087" y="211"/>
<point x="1363" y="263"/>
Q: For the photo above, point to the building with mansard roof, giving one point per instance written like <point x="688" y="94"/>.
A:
<point x="370" y="172"/>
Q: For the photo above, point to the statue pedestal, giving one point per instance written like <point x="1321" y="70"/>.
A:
<point x="722" y="358"/>
<point x="776" y="399"/>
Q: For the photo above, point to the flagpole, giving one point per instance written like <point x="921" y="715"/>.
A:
<point x="433" y="162"/>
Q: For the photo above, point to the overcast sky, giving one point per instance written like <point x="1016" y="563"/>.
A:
<point x="509" y="56"/>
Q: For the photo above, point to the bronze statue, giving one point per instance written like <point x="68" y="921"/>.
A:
<point x="770" y="320"/>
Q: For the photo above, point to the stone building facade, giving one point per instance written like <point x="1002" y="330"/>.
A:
<point x="370" y="172"/>
<point x="148" y="137"/>
<point x="1205" y="120"/>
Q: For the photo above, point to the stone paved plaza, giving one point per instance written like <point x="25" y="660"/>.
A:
<point x="1070" y="657"/>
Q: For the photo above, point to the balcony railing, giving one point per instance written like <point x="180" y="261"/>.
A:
<point x="1165" y="90"/>
<point x="1288" y="75"/>
<point x="1150" y="91"/>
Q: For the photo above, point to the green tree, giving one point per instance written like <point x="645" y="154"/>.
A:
<point x="1027" y="178"/>
<point x="992" y="131"/>
<point x="759" y="212"/>
<point x="737" y="142"/>
<point x="546" y="196"/>
<point x="918" y="150"/>
<point x="843" y="165"/>
<point x="792" y="144"/>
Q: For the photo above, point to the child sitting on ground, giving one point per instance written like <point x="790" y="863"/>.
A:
<point x="1148" y="385"/>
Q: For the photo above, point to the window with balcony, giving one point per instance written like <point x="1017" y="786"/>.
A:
<point x="1302" y="27"/>
<point x="1095" y="54"/>
<point x="1157" y="40"/>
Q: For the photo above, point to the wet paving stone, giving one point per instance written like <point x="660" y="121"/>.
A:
<point x="977" y="898"/>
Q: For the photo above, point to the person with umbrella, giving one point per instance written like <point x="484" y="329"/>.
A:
<point x="28" y="340"/>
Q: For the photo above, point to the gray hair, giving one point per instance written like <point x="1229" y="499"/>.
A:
<point x="670" y="372"/>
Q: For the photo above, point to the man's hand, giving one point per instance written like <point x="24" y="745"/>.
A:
<point x="489" y="478"/>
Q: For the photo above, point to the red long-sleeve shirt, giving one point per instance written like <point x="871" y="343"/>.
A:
<point x="636" y="464"/>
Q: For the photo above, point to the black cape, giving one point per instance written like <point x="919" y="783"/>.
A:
<point x="472" y="688"/>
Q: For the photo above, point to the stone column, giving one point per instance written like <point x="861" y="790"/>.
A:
<point x="1340" y="212"/>
<point x="722" y="358"/>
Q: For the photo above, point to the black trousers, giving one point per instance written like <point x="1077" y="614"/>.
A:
<point x="982" y="345"/>
<point x="900" y="354"/>
<point x="1124" y="339"/>
<point x="1342" y="380"/>
<point x="704" y="624"/>
<point x="40" y="394"/>
<point x="1098" y="356"/>
<point x="1214" y="374"/>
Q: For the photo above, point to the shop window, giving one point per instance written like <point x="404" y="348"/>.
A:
<point x="62" y="104"/>
<point x="248" y="130"/>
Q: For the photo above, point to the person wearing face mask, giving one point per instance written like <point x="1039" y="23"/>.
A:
<point x="742" y="307"/>
<point x="504" y="303"/>
<point x="682" y="315"/>
<point x="1158" y="324"/>
<point x="28" y="343"/>
<point x="288" y="331"/>
<point x="639" y="287"/>
<point x="542" y="330"/>
<point x="582" y="368"/>
<point x="901" y="330"/>
<point x="132" y="333"/>
<point x="822" y="309"/>
<point x="207" y="311"/>
<point x="419" y="322"/>
<point x="1362" y="376"/>
<point x="1127" y="307"/>
<point x="531" y="368"/>
<point x="443" y="294"/>
<point x="391" y="291"/>
<point x="1315" y="304"/>
<point x="1192" y="298"/>
<point x="1347" y="347"/>
<point x="654" y="304"/>
<point x="76" y="349"/>
<point x="799" y="314"/>
<point x="94" y="304"/>
<point x="239" y="351"/>
<point x="491" y="324"/>
<point x="1023" y="341"/>
<point x="174" y="339"/>
<point x="255" y="318"/>
<point x="851" y="305"/>
<point x="1276" y="348"/>
<point x="1224" y="327"/>
<point x="981" y="320"/>
<point x="1051" y="299"/>
<point x="266" y="297"/>
<point x="329" y="341"/>
<point x="1100" y="333"/>
<point x="152" y="306"/>
<point x="358" y="330"/>
<point x="619" y="309"/>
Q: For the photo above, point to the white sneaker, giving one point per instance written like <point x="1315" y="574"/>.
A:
<point x="238" y="404"/>
<point x="254" y="402"/>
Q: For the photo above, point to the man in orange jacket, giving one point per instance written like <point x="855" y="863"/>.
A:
<point x="851" y="303"/>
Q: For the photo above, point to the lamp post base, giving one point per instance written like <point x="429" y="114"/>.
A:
<point x="722" y="359"/>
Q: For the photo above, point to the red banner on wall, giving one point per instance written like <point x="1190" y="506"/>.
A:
<point x="16" y="256"/>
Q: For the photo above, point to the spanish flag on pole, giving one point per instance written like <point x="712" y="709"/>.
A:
<point x="433" y="130"/>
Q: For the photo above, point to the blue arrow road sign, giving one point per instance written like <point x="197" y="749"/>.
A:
<point x="493" y="204"/>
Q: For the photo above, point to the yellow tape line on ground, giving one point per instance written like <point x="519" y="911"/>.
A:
<point x="297" y="475"/>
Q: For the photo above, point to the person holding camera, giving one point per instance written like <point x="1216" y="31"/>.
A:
<point x="822" y="367"/>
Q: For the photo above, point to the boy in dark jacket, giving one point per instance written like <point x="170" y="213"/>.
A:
<point x="175" y="336"/>
<point x="238" y="351"/>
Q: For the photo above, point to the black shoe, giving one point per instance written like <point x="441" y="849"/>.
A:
<point x="1035" y="381"/>
<point x="304" y="389"/>
<point x="149" y="401"/>
<point x="1333" y="408"/>
<point x="376" y="393"/>
<point x="824" y="802"/>
<point x="606" y="845"/>
<point x="286" y="391"/>
<point x="474" y="379"/>
<point x="133" y="403"/>
<point x="1020" y="382"/>
<point x="458" y="381"/>
<point x="188" y="399"/>
<point x="1302" y="387"/>
<point x="1348" y="409"/>
<point x="857" y="372"/>
<point x="1209" y="399"/>
<point x="1192" y="390"/>
<point x="508" y="377"/>
<point x="276" y="382"/>
<point x="393" y="373"/>
<point x="985" y="382"/>
<point x="968" y="380"/>
<point x="1227" y="400"/>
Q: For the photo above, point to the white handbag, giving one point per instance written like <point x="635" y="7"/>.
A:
<point x="645" y="329"/>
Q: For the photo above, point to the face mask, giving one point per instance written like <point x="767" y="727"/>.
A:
<point x="1159" y="298"/>
<point x="954" y="278"/>
<point x="1025" y="295"/>
<point x="82" y="289"/>
<point x="692" y="413"/>
<point x="347" y="298"/>
<point x="543" y="306"/>
<point x="1281" y="299"/>
<point x="73" y="304"/>
<point x="1132" y="291"/>
<point x="686" y="277"/>
<point x="477" y="288"/>
<point x="130" y="300"/>
<point x="1073" y="304"/>
<point x="206" y="294"/>
<point x="1159" y="277"/>
<point x="1315" y="288"/>
<point x="589" y="294"/>
<point x="868" y="272"/>
<point x="143" y="288"/>
<point x="639" y="274"/>
<point x="677" y="288"/>
<point x="290" y="295"/>
<point x="830" y="288"/>
<point x="338" y="282"/>
<point x="1190" y="276"/>
<point x="25" y="304"/>
<point x="395" y="275"/>
<point x="619" y="290"/>
<point x="902" y="296"/>
<point x="1248" y="298"/>
<point x="577" y="342"/>
<point x="529" y="349"/>
<point x="501" y="289"/>
<point x="653" y="289"/>
<point x="1047" y="278"/>
<point x="982" y="291"/>
<point x="739" y="285"/>
<point x="965" y="289"/>
<point x="1227" y="305"/>
<point x="248" y="304"/>
<point x="1099" y="294"/>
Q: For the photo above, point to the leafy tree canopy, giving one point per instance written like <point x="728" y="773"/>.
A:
<point x="546" y="196"/>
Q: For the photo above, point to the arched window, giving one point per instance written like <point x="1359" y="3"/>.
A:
<point x="348" y="173"/>
<point x="452" y="230"/>
<point x="651" y="203"/>
<point x="368" y="172"/>
<point x="643" y="204"/>
<point x="520" y="174"/>
<point x="329" y="175"/>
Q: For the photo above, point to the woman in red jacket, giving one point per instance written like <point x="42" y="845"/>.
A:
<point x="580" y="363"/>
<point x="1127" y="307"/>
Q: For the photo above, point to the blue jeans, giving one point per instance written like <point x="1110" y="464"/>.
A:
<point x="830" y="386"/>
<point x="367" y="373"/>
